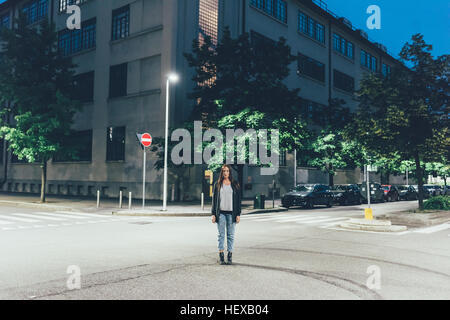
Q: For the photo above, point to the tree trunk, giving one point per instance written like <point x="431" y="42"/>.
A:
<point x="330" y="175"/>
<point x="43" y="180"/>
<point x="419" y="175"/>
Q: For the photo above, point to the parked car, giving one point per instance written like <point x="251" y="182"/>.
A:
<point x="434" y="189"/>
<point x="307" y="196"/>
<point x="390" y="193"/>
<point x="346" y="194"/>
<point x="407" y="192"/>
<point x="376" y="192"/>
<point x="446" y="190"/>
<point x="426" y="192"/>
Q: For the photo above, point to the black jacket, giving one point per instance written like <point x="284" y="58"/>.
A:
<point x="215" y="211"/>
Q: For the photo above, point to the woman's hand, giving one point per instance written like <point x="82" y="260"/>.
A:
<point x="238" y="219"/>
<point x="213" y="219"/>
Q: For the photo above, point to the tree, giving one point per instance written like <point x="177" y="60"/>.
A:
<point x="36" y="86"/>
<point x="407" y="113"/>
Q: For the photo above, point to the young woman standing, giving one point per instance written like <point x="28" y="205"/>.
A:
<point x="226" y="210"/>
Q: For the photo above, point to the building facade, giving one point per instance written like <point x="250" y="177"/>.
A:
<point x="126" y="48"/>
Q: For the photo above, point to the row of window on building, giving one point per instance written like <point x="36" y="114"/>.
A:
<point x="80" y="146"/>
<point x="315" y="30"/>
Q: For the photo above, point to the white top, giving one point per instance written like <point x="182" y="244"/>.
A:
<point x="226" y="198"/>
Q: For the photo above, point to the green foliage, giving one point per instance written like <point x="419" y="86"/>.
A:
<point x="36" y="86"/>
<point x="437" y="203"/>
<point x="406" y="115"/>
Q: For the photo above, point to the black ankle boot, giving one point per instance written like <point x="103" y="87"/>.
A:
<point x="229" y="258"/>
<point x="222" y="258"/>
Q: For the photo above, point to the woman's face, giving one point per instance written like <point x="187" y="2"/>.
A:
<point x="226" y="173"/>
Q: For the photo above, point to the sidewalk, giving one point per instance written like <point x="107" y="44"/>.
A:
<point x="152" y="208"/>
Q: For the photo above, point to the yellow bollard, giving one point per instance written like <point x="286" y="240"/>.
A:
<point x="368" y="213"/>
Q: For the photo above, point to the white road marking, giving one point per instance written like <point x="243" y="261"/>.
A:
<point x="284" y="218"/>
<point x="37" y="215"/>
<point x="61" y="216"/>
<point x="323" y="220"/>
<point x="434" y="228"/>
<point x="19" y="219"/>
<point x="6" y="222"/>
<point x="86" y="215"/>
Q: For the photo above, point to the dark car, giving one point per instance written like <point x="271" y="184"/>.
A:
<point x="427" y="193"/>
<point x="346" y="194"/>
<point x="376" y="192"/>
<point x="307" y="196"/>
<point x="446" y="190"/>
<point x="390" y="193"/>
<point x="407" y="193"/>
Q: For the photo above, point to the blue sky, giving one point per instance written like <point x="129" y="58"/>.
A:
<point x="400" y="19"/>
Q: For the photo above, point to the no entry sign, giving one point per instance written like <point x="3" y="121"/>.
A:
<point x="146" y="140"/>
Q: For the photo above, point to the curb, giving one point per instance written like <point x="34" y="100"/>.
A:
<point x="36" y="205"/>
<point x="371" y="225"/>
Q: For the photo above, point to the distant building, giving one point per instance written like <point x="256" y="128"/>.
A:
<point x="126" y="48"/>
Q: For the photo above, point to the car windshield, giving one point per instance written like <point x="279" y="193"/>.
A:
<point x="304" y="188"/>
<point x="402" y="188"/>
<point x="429" y="187"/>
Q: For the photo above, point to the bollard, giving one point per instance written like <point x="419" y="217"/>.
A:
<point x="129" y="200"/>
<point x="173" y="192"/>
<point x="98" y="198"/>
<point x="120" y="199"/>
<point x="203" y="201"/>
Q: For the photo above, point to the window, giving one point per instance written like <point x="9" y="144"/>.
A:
<point x="35" y="10"/>
<point x="5" y="21"/>
<point x="312" y="110"/>
<point x="311" y="27"/>
<point x="343" y="81"/>
<point x="274" y="8"/>
<point x="79" y="145"/>
<point x="73" y="41"/>
<point x="343" y="46"/>
<point x="118" y="80"/>
<point x="208" y="20"/>
<point x="121" y="23"/>
<point x="64" y="3"/>
<point x="386" y="70"/>
<point x="369" y="61"/>
<point x="311" y="68"/>
<point x="84" y="87"/>
<point x="282" y="158"/>
<point x="115" y="144"/>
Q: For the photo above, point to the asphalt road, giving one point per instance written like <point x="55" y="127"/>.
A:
<point x="299" y="254"/>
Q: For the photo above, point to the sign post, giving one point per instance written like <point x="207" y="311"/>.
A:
<point x="145" y="141"/>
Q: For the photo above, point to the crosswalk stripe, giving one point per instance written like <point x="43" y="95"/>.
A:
<point x="301" y="219"/>
<point x="283" y="218"/>
<point x="434" y="229"/>
<point x="19" y="219"/>
<point x="86" y="215"/>
<point x="5" y="222"/>
<point x="59" y="216"/>
<point x="323" y="220"/>
<point x="38" y="216"/>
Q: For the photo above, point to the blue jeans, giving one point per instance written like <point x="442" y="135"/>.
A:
<point x="226" y="221"/>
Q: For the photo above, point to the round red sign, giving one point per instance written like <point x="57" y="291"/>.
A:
<point x="146" y="140"/>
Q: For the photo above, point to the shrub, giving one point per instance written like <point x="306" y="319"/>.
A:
<point x="437" y="203"/>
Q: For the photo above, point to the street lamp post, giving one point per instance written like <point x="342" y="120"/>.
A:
<point x="170" y="78"/>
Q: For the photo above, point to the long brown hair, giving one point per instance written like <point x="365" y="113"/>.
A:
<point x="220" y="181"/>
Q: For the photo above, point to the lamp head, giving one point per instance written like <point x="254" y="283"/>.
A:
<point x="173" y="77"/>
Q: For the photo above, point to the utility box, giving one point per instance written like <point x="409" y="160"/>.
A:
<point x="259" y="201"/>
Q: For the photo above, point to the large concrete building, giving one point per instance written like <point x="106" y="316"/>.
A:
<point x="124" y="52"/>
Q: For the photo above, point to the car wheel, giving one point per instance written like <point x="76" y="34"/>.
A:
<point x="389" y="199"/>
<point x="359" y="202"/>
<point x="309" y="204"/>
